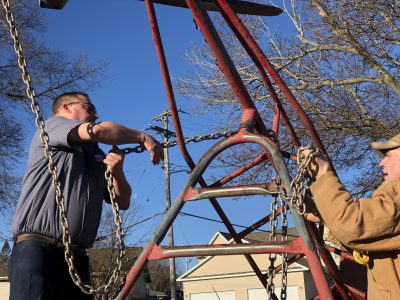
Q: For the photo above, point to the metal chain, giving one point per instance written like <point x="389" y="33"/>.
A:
<point x="44" y="137"/>
<point x="280" y="193"/>
<point x="119" y="233"/>
<point x="299" y="190"/>
<point x="284" y="226"/>
<point x="272" y="256"/>
<point x="195" y="139"/>
<point x="298" y="185"/>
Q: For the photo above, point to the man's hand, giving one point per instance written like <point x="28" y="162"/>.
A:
<point x="311" y="213"/>
<point x="311" y="217"/>
<point x="317" y="167"/>
<point x="155" y="149"/>
<point x="115" y="160"/>
<point x="123" y="191"/>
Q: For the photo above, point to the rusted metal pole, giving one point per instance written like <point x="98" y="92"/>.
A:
<point x="259" y="159"/>
<point x="329" y="263"/>
<point x="160" y="252"/>
<point x="178" y="129"/>
<point x="153" y="246"/>
<point x="224" y="62"/>
<point x="279" y="110"/>
<point x="260" y="222"/>
<point x="255" y="48"/>
<point x="232" y="191"/>
<point x="167" y="82"/>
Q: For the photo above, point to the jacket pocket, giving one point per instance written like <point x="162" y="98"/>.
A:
<point x="377" y="291"/>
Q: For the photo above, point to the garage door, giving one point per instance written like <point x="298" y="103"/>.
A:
<point x="292" y="293"/>
<point x="225" y="295"/>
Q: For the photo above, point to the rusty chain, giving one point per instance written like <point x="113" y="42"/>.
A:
<point x="279" y="193"/>
<point x="284" y="227"/>
<point x="299" y="189"/>
<point x="195" y="139"/>
<point x="272" y="256"/>
<point x="44" y="137"/>
<point x="299" y="183"/>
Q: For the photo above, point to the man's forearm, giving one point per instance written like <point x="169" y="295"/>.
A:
<point x="115" y="134"/>
<point x="123" y="192"/>
<point x="107" y="132"/>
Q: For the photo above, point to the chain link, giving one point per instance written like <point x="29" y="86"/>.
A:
<point x="195" y="139"/>
<point x="44" y="137"/>
<point x="279" y="193"/>
<point x="299" y="190"/>
<point x="299" y="184"/>
<point x="284" y="226"/>
<point x="272" y="238"/>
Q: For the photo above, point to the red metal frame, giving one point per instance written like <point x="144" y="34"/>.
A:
<point x="253" y="130"/>
<point x="309" y="243"/>
<point x="303" y="245"/>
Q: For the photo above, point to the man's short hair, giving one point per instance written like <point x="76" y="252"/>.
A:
<point x="66" y="97"/>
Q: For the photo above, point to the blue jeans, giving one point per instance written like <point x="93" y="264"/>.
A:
<point x="38" y="271"/>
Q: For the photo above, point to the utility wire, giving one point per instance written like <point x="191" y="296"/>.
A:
<point x="218" y="221"/>
<point x="180" y="213"/>
<point x="100" y="238"/>
<point x="213" y="220"/>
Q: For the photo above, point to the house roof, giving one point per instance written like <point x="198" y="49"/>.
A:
<point x="263" y="236"/>
<point x="226" y="235"/>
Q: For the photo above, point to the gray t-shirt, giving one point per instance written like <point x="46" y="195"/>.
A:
<point x="81" y="173"/>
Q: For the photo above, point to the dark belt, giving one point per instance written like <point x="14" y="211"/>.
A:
<point x="49" y="240"/>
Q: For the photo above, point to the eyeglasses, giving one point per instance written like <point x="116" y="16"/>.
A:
<point x="89" y="107"/>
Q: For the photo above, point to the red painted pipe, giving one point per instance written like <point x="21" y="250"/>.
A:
<point x="223" y="4"/>
<point x="223" y="60"/>
<point x="167" y="82"/>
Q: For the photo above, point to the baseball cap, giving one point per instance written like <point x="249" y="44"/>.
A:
<point x="392" y="143"/>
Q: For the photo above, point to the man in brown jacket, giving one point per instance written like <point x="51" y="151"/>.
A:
<point x="371" y="225"/>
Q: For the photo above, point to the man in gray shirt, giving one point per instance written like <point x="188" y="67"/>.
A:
<point x="37" y="268"/>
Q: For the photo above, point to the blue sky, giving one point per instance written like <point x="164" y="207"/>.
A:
<point x="118" y="32"/>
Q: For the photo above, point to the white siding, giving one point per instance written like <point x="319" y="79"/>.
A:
<point x="4" y="290"/>
<point x="292" y="293"/>
<point x="225" y="295"/>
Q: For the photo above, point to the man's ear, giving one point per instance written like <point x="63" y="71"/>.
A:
<point x="65" y="108"/>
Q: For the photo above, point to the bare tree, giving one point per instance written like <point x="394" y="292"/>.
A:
<point x="105" y="250"/>
<point x="5" y="252"/>
<point x="10" y="150"/>
<point x="52" y="72"/>
<point x="159" y="275"/>
<point x="341" y="61"/>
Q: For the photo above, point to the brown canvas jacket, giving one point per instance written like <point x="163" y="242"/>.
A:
<point x="371" y="225"/>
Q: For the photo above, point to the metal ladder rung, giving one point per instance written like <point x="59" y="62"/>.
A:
<point x="232" y="191"/>
<point x="161" y="252"/>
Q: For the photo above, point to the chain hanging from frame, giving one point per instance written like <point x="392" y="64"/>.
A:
<point x="299" y="185"/>
<point x="299" y="189"/>
<point x="44" y="137"/>
<point x="278" y="207"/>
